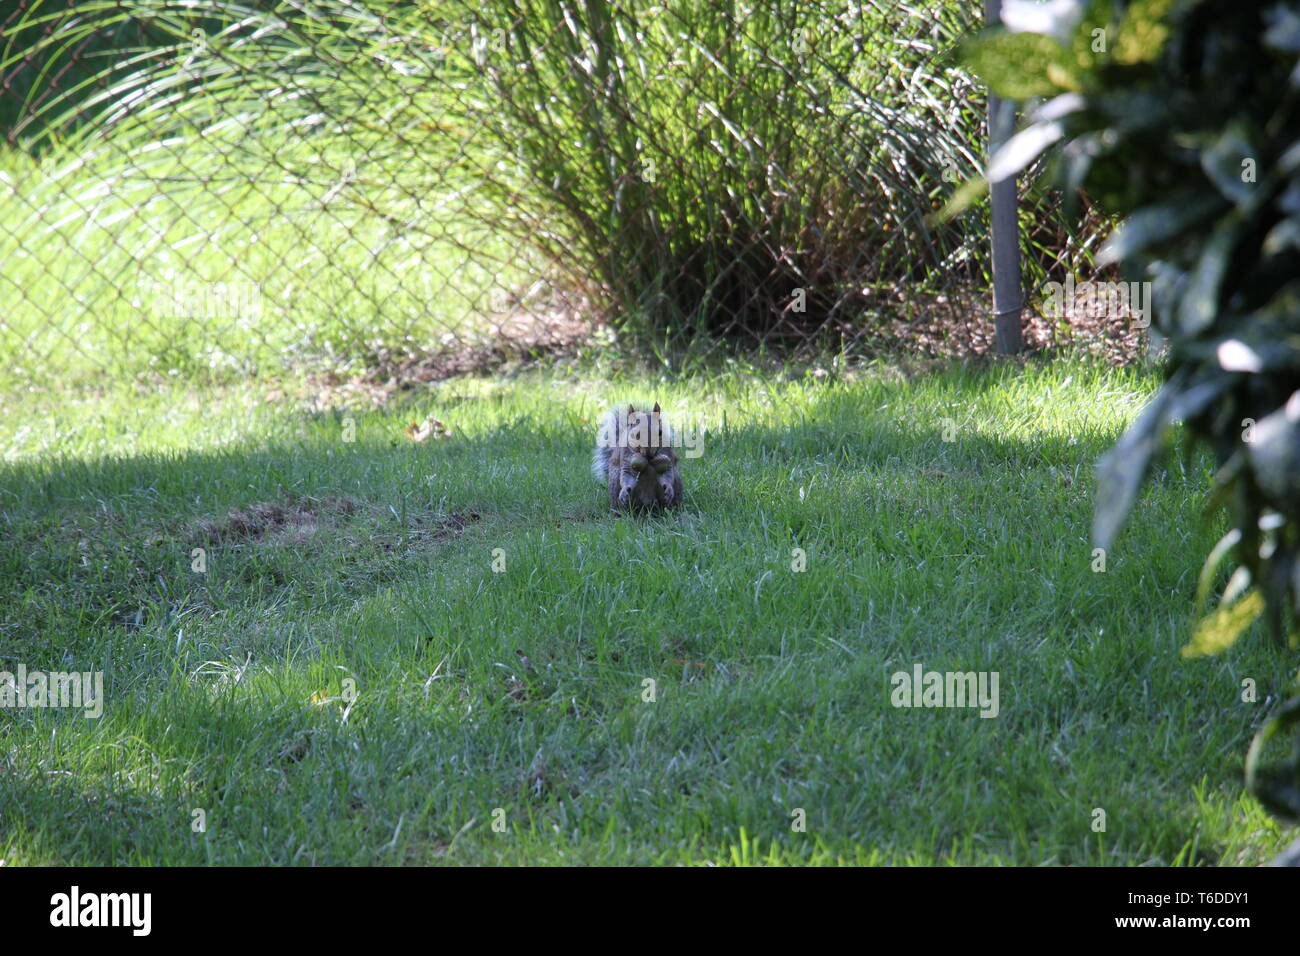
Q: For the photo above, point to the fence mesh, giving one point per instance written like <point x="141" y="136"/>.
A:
<point x="413" y="188"/>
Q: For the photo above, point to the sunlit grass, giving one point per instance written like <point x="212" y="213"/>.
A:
<point x="772" y="686"/>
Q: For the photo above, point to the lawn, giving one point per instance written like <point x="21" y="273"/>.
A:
<point x="401" y="652"/>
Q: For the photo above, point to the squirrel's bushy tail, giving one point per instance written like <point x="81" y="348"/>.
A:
<point x="600" y="463"/>
<point x="606" y="439"/>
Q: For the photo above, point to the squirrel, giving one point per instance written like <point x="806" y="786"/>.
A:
<point x="635" y="459"/>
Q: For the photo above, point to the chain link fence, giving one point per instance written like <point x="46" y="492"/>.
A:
<point x="409" y="189"/>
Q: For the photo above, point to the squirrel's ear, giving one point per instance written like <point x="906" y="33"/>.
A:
<point x="656" y="408"/>
<point x="631" y="410"/>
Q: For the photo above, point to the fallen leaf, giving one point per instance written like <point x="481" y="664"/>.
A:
<point x="430" y="427"/>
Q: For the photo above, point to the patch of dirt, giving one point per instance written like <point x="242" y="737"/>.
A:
<point x="900" y="322"/>
<point x="541" y="779"/>
<point x="454" y="524"/>
<point x="295" y="750"/>
<point x="419" y="531"/>
<point x="528" y="334"/>
<point x="944" y="328"/>
<point x="292" y="523"/>
<point x="329" y="391"/>
<point x="449" y="527"/>
<point x="296" y="522"/>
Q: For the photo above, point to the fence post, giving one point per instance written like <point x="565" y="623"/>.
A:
<point x="1005" y="238"/>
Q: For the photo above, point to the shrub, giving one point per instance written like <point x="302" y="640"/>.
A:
<point x="1183" y="117"/>
<point x="697" y="165"/>
<point x="393" y="178"/>
<point x="746" y="168"/>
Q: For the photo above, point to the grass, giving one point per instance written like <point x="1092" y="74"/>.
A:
<point x="125" y="265"/>
<point x="372" y="561"/>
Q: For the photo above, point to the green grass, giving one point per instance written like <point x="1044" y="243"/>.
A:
<point x="773" y="687"/>
<point x="131" y="265"/>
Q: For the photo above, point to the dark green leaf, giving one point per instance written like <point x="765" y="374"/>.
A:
<point x="1278" y="786"/>
<point x="1274" y="452"/>
<point x="1157" y="223"/>
<point x="1122" y="469"/>
<point x="1223" y="163"/>
<point x="1200" y="302"/>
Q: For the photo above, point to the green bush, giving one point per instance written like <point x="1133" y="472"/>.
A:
<point x="396" y="178"/>
<point x="696" y="165"/>
<point x="1183" y="117"/>
<point x="689" y="167"/>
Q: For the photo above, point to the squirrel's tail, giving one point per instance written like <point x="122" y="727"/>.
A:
<point x="600" y="463"/>
<point x="606" y="439"/>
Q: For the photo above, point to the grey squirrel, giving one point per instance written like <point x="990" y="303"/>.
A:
<point x="635" y="460"/>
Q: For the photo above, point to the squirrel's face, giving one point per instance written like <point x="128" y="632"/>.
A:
<point x="649" y="438"/>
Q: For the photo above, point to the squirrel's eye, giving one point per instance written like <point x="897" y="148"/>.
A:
<point x="662" y="463"/>
<point x="637" y="463"/>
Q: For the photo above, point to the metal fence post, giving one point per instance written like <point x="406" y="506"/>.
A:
<point x="1005" y="238"/>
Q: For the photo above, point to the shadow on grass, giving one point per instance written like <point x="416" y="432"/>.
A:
<point x="98" y="569"/>
<point x="114" y="542"/>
